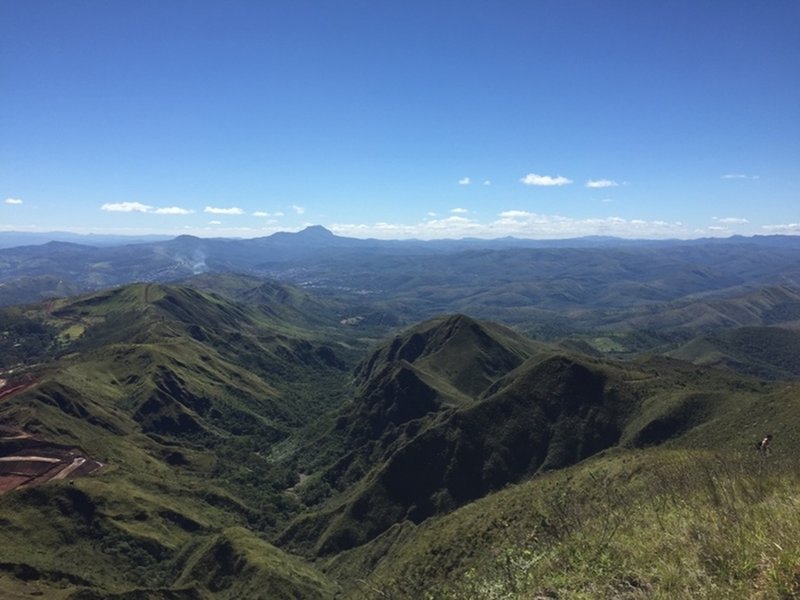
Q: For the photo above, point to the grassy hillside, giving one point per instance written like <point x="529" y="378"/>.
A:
<point x="768" y="352"/>
<point x="655" y="524"/>
<point x="245" y="452"/>
<point x="109" y="538"/>
<point x="425" y="455"/>
<point x="465" y="353"/>
<point x="551" y="413"/>
<point x="765" y="306"/>
<point x="180" y="395"/>
<point x="700" y="516"/>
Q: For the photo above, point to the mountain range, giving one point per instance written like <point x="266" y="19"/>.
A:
<point x="561" y="273"/>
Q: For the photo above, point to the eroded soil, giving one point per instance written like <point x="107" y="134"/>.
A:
<point x="26" y="460"/>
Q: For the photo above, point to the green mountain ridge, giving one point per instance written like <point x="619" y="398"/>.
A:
<point x="433" y="454"/>
<point x="553" y="413"/>
<point x="767" y="352"/>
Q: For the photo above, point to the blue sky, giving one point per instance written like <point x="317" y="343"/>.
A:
<point x="542" y="119"/>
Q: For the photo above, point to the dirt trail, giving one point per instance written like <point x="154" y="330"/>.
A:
<point x="76" y="463"/>
<point x="48" y="459"/>
<point x="6" y="392"/>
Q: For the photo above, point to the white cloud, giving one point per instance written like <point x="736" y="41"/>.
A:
<point x="519" y="223"/>
<point x="432" y="214"/>
<point x="607" y="200"/>
<point x="731" y="221"/>
<point x="464" y="181"/>
<point x="261" y="213"/>
<point x="223" y="211"/>
<point x="487" y="182"/>
<point x="448" y="227"/>
<point x="144" y="208"/>
<point x="784" y="228"/>
<point x="173" y="210"/>
<point x="277" y="214"/>
<point x="126" y="207"/>
<point x="533" y="225"/>
<point x="513" y="214"/>
<point x="23" y="228"/>
<point x="544" y="180"/>
<point x="739" y="176"/>
<point x="298" y="209"/>
<point x="13" y="201"/>
<point x="215" y="222"/>
<point x="459" y="211"/>
<point x="601" y="183"/>
<point x="454" y="220"/>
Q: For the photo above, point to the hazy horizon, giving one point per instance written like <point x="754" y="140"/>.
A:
<point x="56" y="234"/>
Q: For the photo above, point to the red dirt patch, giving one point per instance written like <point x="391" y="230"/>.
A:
<point x="11" y="482"/>
<point x="28" y="460"/>
<point x="7" y="388"/>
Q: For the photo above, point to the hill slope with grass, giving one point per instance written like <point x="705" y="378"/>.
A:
<point x="767" y="352"/>
<point x="549" y="413"/>
<point x="247" y="439"/>
<point x="179" y="395"/>
<point x="546" y="412"/>
<point x="681" y="506"/>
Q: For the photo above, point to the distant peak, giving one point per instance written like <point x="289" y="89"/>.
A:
<point x="317" y="231"/>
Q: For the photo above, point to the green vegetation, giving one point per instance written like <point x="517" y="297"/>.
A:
<point x="235" y="564"/>
<point x="181" y="395"/>
<point x="666" y="524"/>
<point x="24" y="340"/>
<point x="105" y="540"/>
<point x="258" y="441"/>
<point x="767" y="352"/>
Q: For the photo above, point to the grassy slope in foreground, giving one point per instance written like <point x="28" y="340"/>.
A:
<point x="655" y="524"/>
<point x="705" y="422"/>
<point x="703" y="516"/>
